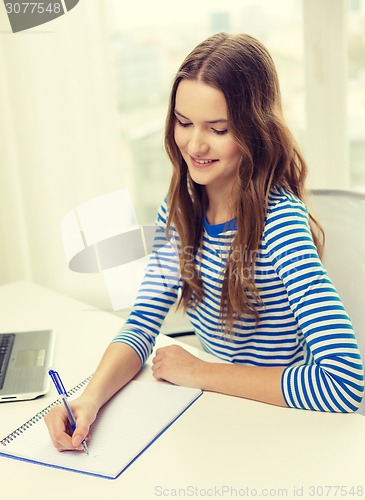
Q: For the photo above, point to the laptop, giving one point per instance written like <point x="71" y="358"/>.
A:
<point x="25" y="358"/>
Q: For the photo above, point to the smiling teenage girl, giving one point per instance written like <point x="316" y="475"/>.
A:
<point x="248" y="270"/>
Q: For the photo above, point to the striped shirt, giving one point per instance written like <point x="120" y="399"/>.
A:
<point x="302" y="322"/>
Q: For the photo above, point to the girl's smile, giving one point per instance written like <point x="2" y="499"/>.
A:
<point x="201" y="162"/>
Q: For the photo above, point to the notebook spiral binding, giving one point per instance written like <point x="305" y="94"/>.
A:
<point x="40" y="415"/>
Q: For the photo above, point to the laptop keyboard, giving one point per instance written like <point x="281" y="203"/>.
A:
<point x="6" y="345"/>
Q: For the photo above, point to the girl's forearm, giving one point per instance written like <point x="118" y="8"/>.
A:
<point x="119" y="364"/>
<point x="178" y="366"/>
<point x="251" y="382"/>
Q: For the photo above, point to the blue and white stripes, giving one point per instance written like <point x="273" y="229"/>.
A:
<point x="302" y="325"/>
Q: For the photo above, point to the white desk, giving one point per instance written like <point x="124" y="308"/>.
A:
<point x="222" y="446"/>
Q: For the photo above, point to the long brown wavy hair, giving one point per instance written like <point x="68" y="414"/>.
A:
<point x="243" y="70"/>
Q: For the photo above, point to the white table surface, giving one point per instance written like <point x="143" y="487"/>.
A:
<point x="223" y="446"/>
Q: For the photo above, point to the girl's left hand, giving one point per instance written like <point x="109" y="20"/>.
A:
<point x="176" y="365"/>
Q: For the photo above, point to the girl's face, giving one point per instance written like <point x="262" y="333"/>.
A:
<point x="201" y="134"/>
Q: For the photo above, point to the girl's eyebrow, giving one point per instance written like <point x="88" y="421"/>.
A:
<point x="219" y="120"/>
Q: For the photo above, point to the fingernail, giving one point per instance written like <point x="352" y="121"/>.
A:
<point x="76" y="441"/>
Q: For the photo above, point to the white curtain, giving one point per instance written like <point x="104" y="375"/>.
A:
<point x="59" y="143"/>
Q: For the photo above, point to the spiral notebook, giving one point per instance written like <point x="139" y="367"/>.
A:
<point x="125" y="427"/>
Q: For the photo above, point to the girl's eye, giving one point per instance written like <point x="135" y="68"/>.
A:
<point x="183" y="124"/>
<point x="188" y="124"/>
<point x="220" y="132"/>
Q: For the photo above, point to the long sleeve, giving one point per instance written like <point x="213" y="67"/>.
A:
<point x="332" y="377"/>
<point x="157" y="293"/>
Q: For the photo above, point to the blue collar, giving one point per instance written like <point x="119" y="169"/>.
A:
<point x="216" y="229"/>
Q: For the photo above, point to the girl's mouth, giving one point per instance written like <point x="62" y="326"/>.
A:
<point x="202" y="162"/>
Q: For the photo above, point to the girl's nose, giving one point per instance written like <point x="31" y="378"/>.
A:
<point x="198" y="144"/>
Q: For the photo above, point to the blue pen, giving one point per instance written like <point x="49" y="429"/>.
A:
<point x="56" y="379"/>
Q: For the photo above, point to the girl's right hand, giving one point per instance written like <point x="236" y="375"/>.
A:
<point x="84" y="411"/>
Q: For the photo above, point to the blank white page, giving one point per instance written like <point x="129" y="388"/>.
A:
<point x="124" y="428"/>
